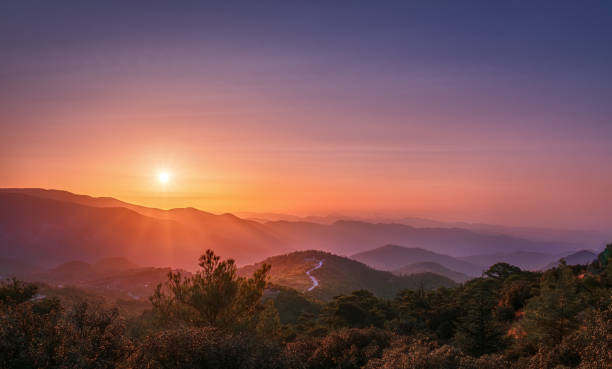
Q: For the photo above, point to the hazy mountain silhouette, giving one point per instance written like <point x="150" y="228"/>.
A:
<point x="347" y="237"/>
<point x="224" y="228"/>
<point x="393" y="257"/>
<point x="522" y="259"/>
<point x="432" y="267"/>
<point x="582" y="257"/>
<point x="114" y="264"/>
<point x="529" y="260"/>
<point x="48" y="227"/>
<point x="571" y="238"/>
<point x="49" y="232"/>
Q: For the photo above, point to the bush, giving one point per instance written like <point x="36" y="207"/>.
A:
<point x="346" y="348"/>
<point x="205" y="348"/>
<point x="39" y="334"/>
<point x="421" y="353"/>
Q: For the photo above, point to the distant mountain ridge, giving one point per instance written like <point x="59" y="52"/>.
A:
<point x="49" y="231"/>
<point x="394" y="257"/>
<point x="527" y="260"/>
<point x="432" y="267"/>
<point x="523" y="259"/>
<point x="48" y="227"/>
<point x="348" y="237"/>
<point x="578" y="258"/>
<point x="574" y="237"/>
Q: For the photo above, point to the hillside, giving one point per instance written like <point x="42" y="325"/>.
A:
<point x="111" y="277"/>
<point x="431" y="267"/>
<point x="339" y="275"/>
<point x="224" y="227"/>
<point x="49" y="232"/>
<point x="393" y="257"/>
<point x="583" y="257"/>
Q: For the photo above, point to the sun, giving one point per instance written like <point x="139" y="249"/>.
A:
<point x="163" y="177"/>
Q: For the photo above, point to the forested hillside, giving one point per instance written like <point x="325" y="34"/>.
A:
<point x="510" y="318"/>
<point x="338" y="275"/>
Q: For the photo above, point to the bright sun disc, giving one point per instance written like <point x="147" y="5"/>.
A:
<point x="164" y="177"/>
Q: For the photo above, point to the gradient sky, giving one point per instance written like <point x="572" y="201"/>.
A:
<point x="486" y="111"/>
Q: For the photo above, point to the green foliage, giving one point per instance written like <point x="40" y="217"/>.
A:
<point x="291" y="304"/>
<point x="421" y="311"/>
<point x="13" y="292"/>
<point x="205" y="348"/>
<point x="596" y="339"/>
<point x="502" y="271"/>
<point x="553" y="314"/>
<point x="268" y="321"/>
<point x="41" y="334"/>
<point x="346" y="348"/>
<point x="214" y="296"/>
<point x="605" y="256"/>
<point x="28" y="336"/>
<point x="93" y="337"/>
<point x="478" y="333"/>
<point x="422" y="353"/>
<point x="360" y="309"/>
<point x="508" y="318"/>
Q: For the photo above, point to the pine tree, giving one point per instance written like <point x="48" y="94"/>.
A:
<point x="268" y="321"/>
<point x="553" y="313"/>
<point x="478" y="333"/>
<point x="214" y="296"/>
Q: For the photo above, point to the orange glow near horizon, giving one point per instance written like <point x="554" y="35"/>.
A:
<point x="317" y="181"/>
<point x="308" y="179"/>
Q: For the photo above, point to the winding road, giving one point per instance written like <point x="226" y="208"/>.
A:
<point x="315" y="282"/>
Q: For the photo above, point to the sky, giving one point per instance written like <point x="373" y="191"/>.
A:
<point x="481" y="111"/>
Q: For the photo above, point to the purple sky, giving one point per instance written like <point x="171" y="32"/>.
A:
<point x="475" y="110"/>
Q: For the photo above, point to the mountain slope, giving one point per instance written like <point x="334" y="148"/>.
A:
<point x="222" y="229"/>
<point x="393" y="257"/>
<point x="49" y="232"/>
<point x="112" y="277"/>
<point x="578" y="258"/>
<point x="338" y="275"/>
<point x="108" y="265"/>
<point x="431" y="267"/>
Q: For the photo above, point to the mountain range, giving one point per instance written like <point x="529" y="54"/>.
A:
<point x="586" y="238"/>
<point x="394" y="258"/>
<point x="49" y="227"/>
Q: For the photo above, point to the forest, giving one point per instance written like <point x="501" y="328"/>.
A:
<point x="507" y="318"/>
